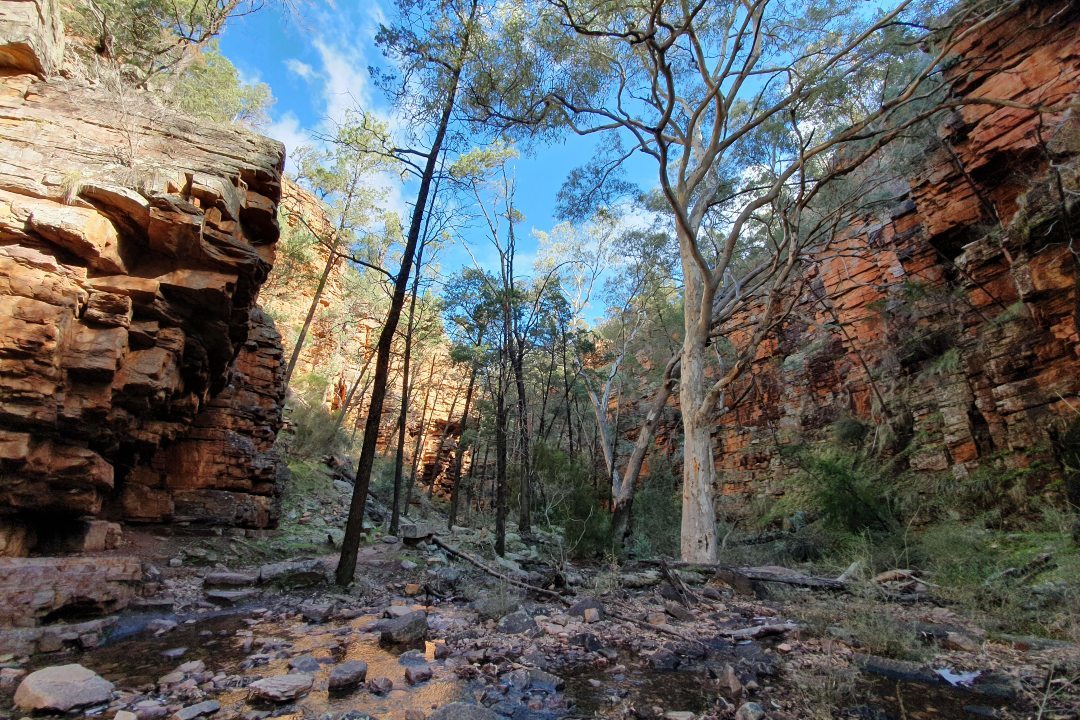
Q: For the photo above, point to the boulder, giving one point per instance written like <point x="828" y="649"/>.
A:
<point x="348" y="675"/>
<point x="61" y="688"/>
<point x="281" y="688"/>
<point x="518" y="623"/>
<point x="405" y="630"/>
<point x="293" y="573"/>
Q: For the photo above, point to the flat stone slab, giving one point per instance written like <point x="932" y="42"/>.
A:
<point x="61" y="688"/>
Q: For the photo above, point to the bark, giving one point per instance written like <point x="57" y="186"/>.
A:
<point x="459" y="453"/>
<point x="350" y="545"/>
<point x="623" y="491"/>
<point x="525" y="486"/>
<point x="698" y="534"/>
<point x="403" y="415"/>
<point x="352" y="391"/>
<point x="420" y="434"/>
<point x="331" y="259"/>
<point x="500" y="461"/>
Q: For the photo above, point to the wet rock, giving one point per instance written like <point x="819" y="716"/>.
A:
<point x="208" y="707"/>
<point x="348" y="675"/>
<point x="61" y="688"/>
<point x="161" y="626"/>
<point x="590" y="642"/>
<point x="463" y="711"/>
<point x="517" y="623"/>
<point x="380" y="685"/>
<point x="281" y="688"/>
<point x="750" y="711"/>
<point x="404" y="630"/>
<point x="664" y="659"/>
<point x="293" y="573"/>
<point x="416" y="674"/>
<point x="230" y="597"/>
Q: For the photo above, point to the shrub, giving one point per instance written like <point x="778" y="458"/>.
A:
<point x="848" y="490"/>
<point x="657" y="512"/>
<point x="315" y="432"/>
<point x="573" y="502"/>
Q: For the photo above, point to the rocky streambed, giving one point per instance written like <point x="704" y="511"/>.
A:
<point x="420" y="637"/>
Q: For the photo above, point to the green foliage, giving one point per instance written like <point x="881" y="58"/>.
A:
<point x="169" y="48"/>
<point x="657" y="512"/>
<point x="315" y="432"/>
<point x="211" y="89"/>
<point x="574" y="503"/>
<point x="848" y="489"/>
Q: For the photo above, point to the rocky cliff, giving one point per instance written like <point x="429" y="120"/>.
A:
<point x="138" y="378"/>
<point x="948" y="324"/>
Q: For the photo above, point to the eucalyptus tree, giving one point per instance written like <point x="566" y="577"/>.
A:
<point x="340" y="176"/>
<point x="744" y="109"/>
<point x="431" y="44"/>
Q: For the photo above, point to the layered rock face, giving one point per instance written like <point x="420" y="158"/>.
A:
<point x="961" y="303"/>
<point x="138" y="379"/>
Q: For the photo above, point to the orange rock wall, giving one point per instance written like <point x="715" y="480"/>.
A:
<point x="138" y="379"/>
<point x="960" y="304"/>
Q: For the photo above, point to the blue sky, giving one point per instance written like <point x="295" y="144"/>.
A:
<point x="317" y="67"/>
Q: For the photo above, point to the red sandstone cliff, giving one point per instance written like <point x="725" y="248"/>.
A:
<point x="960" y="303"/>
<point x="138" y="378"/>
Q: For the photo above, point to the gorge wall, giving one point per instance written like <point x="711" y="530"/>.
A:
<point x="953" y="317"/>
<point x="139" y="380"/>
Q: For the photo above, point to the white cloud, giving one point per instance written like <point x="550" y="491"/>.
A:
<point x="287" y="129"/>
<point x="345" y="80"/>
<point x="300" y="69"/>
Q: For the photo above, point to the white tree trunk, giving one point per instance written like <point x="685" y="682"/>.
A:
<point x="698" y="536"/>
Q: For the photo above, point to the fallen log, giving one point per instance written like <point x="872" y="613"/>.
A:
<point x="742" y="577"/>
<point x="758" y="631"/>
<point x="495" y="573"/>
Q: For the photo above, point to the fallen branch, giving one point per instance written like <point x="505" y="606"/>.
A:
<point x="766" y="574"/>
<point x="757" y="631"/>
<point x="608" y="602"/>
<point x="494" y="573"/>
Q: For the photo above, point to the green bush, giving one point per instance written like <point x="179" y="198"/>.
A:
<point x="573" y="502"/>
<point x="848" y="490"/>
<point x="314" y="430"/>
<point x="657" y="512"/>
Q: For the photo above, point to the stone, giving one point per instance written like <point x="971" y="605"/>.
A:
<point x="463" y="711"/>
<point x="174" y="653"/>
<point x="150" y="710"/>
<point x="316" y="612"/>
<point x="517" y="623"/>
<point x="416" y="674"/>
<point x="35" y="588"/>
<point x="230" y="597"/>
<point x="125" y="715"/>
<point x="348" y="675"/>
<point x="380" y="685"/>
<point x="495" y="606"/>
<point x="304" y="664"/>
<point x="405" y="630"/>
<point x="679" y="715"/>
<point x="413" y="589"/>
<point x="591" y="615"/>
<point x="750" y="711"/>
<point x="10" y="678"/>
<point x="229" y="579"/>
<point x="207" y="707"/>
<point x="293" y="573"/>
<point x="61" y="688"/>
<point x="961" y="642"/>
<point x="281" y="688"/>
<point x="578" y="609"/>
<point x="32" y="37"/>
